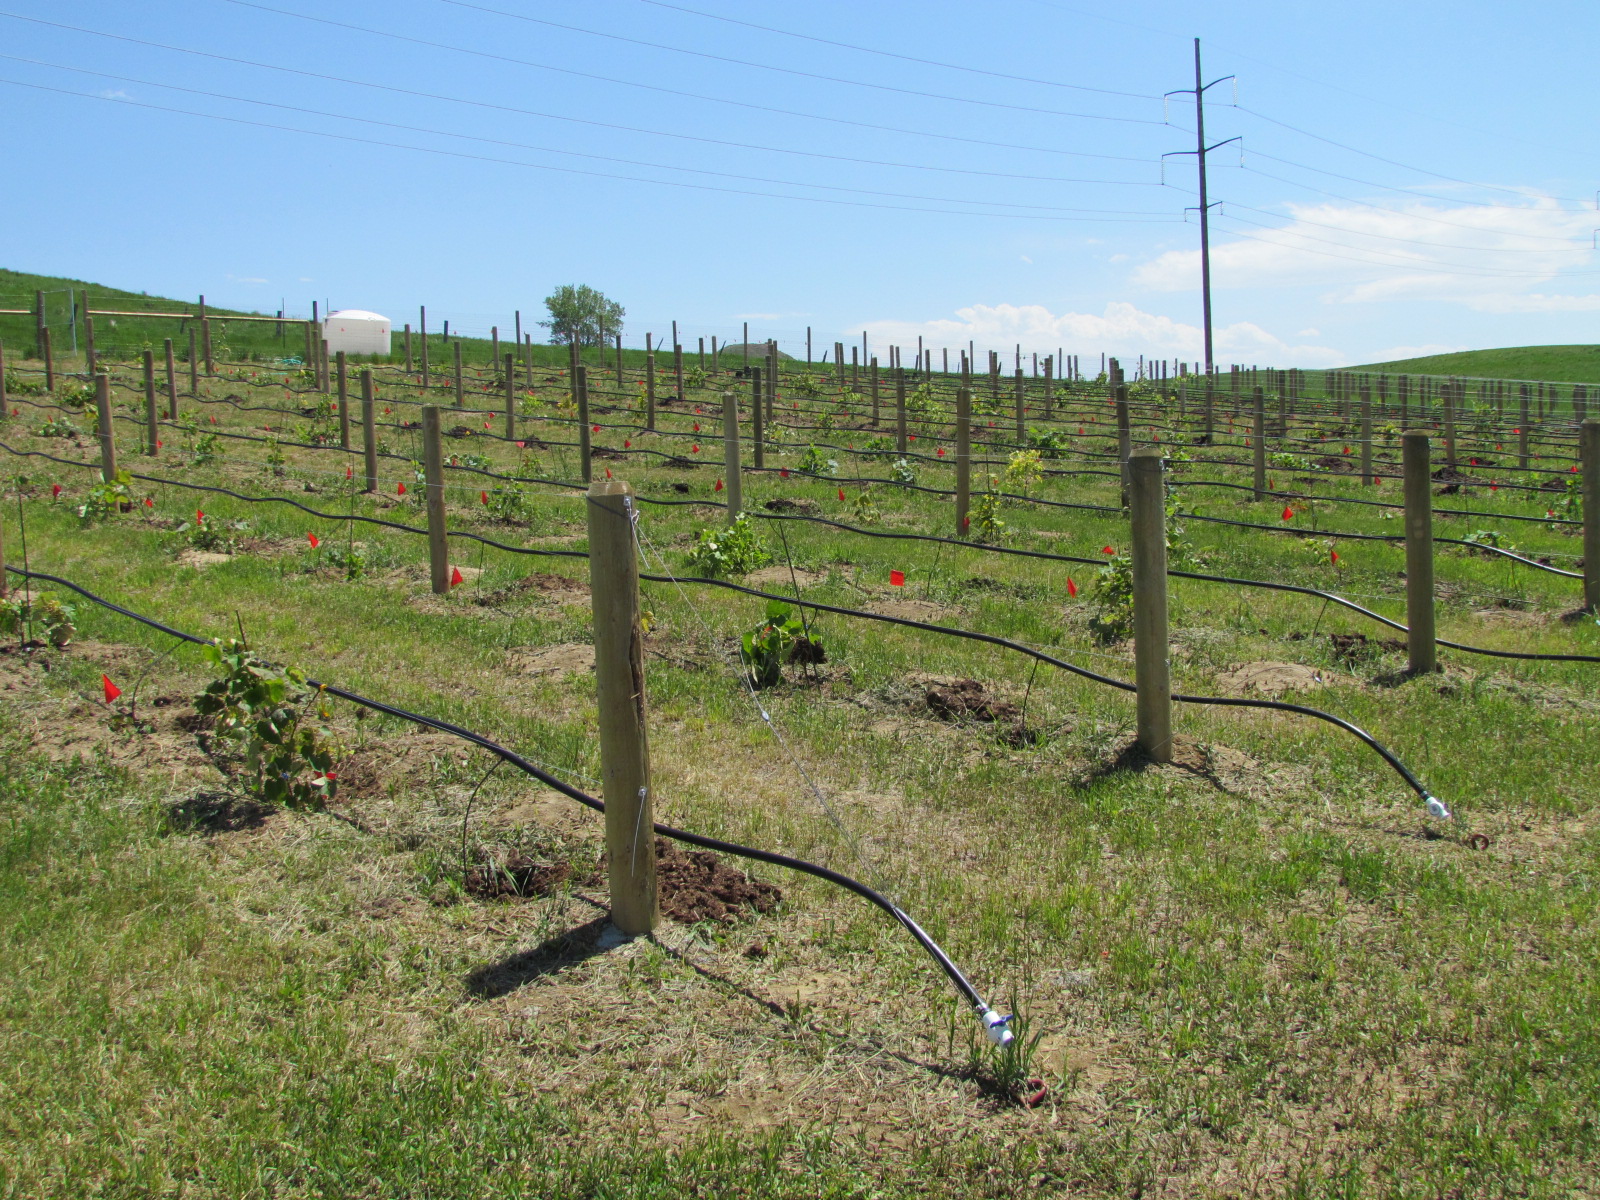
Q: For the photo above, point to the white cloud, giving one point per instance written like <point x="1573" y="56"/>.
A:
<point x="1309" y="333"/>
<point x="1122" y="329"/>
<point x="114" y="94"/>
<point x="1468" y="254"/>
<point x="1026" y="259"/>
<point x="248" y="279"/>
<point x="1505" y="302"/>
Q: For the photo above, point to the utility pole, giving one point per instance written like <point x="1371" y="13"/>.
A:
<point x="1200" y="151"/>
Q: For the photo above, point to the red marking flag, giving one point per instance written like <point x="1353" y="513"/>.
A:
<point x="841" y="493"/>
<point x="1288" y="513"/>
<point x="314" y="540"/>
<point x="55" y="490"/>
<point x="897" y="579"/>
<point x="1072" y="588"/>
<point x="1107" y="550"/>
<point x="718" y="488"/>
<point x="112" y="690"/>
<point x="402" y="490"/>
<point x="455" y="577"/>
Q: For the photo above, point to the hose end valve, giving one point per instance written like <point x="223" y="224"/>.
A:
<point x="996" y="1027"/>
<point x="1437" y="809"/>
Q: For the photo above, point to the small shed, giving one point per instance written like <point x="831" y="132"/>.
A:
<point x="356" y="331"/>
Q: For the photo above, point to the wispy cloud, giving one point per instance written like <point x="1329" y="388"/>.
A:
<point x="757" y="316"/>
<point x="247" y="279"/>
<point x="113" y="94"/>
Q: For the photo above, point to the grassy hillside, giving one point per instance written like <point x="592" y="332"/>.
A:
<point x="1555" y="364"/>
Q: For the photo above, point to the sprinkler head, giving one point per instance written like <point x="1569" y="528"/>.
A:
<point x="995" y="1026"/>
<point x="1436" y="808"/>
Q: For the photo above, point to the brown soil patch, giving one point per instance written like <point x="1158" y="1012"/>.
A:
<point x="569" y="658"/>
<point x="780" y="576"/>
<point x="915" y="610"/>
<point x="1351" y="647"/>
<point x="191" y="557"/>
<point x="966" y="699"/>
<point x="519" y="877"/>
<point x="553" y="589"/>
<point x="698" y="886"/>
<point x="1271" y="678"/>
<point x="782" y="504"/>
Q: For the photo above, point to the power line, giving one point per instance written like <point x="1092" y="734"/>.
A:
<point x="742" y="62"/>
<point x="573" y="153"/>
<point x="927" y="62"/>
<point x="636" y="129"/>
<point x="702" y="187"/>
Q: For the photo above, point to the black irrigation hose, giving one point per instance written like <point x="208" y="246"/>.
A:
<point x="921" y="537"/>
<point x="1121" y="685"/>
<point x="511" y="756"/>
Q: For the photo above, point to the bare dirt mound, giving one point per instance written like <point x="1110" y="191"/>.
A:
<point x="966" y="699"/>
<point x="569" y="658"/>
<point x="698" y="886"/>
<point x="1271" y="678"/>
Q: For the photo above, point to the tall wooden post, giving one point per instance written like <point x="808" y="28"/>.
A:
<point x="38" y="324"/>
<point x="323" y="382"/>
<point x="1367" y="479"/>
<point x="49" y="361"/>
<point x="759" y="427"/>
<point x="205" y="346"/>
<point x="963" y="460"/>
<point x="1259" y="444"/>
<point x="108" y="437"/>
<point x="650" y="390"/>
<point x="901" y="444"/>
<point x="1152" y="674"/>
<point x="733" y="479"/>
<point x="619" y="357"/>
<point x="460" y="396"/>
<point x="1049" y="387"/>
<point x="369" y="430"/>
<point x="89" y="365"/>
<point x="1020" y="402"/>
<point x="874" y="378"/>
<point x="511" y="396"/>
<point x="1589" y="457"/>
<point x="1119" y="394"/>
<point x="677" y="369"/>
<point x="620" y="696"/>
<point x="1522" y="429"/>
<point x="582" y="385"/>
<point x="344" y="401"/>
<point x="194" y="368"/>
<point x="152" y="419"/>
<point x="433" y="475"/>
<point x="423" y="331"/>
<point x="1450" y="424"/>
<point x="172" y="382"/>
<point x="1421" y="653"/>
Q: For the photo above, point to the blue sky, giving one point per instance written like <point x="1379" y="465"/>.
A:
<point x="1412" y="177"/>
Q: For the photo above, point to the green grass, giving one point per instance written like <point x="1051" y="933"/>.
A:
<point x="1261" y="976"/>
<point x="1551" y="364"/>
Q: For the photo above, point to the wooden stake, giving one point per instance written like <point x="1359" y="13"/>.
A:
<point x="874" y="376"/>
<point x="1450" y="424"/>
<point x="759" y="424"/>
<point x="620" y="696"/>
<point x="194" y="368"/>
<point x="152" y="421"/>
<point x="511" y="396"/>
<point x="1589" y="456"/>
<point x="1259" y="444"/>
<point x="460" y="393"/>
<point x="369" y="430"/>
<point x="1020" y="404"/>
<point x="650" y="390"/>
<point x="49" y="361"/>
<point x="900" y="441"/>
<point x="423" y="321"/>
<point x="733" y="480"/>
<point x="1522" y="430"/>
<point x="108" y="437"/>
<point x="205" y="345"/>
<point x="1152" y="675"/>
<point x="582" y="386"/>
<point x="963" y="460"/>
<point x="172" y="383"/>
<point x="344" y="401"/>
<point x="677" y="368"/>
<point x="1421" y="654"/>
<point x="88" y="345"/>
<point x="1366" y="437"/>
<point x="433" y="474"/>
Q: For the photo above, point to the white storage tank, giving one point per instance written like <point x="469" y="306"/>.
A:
<point x="356" y="331"/>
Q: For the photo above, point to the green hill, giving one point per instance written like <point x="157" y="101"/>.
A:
<point x="1552" y="364"/>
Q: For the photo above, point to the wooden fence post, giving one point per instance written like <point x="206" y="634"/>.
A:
<point x="38" y="324"/>
<point x="172" y="382"/>
<point x="1366" y="437"/>
<point x="758" y="424"/>
<point x="205" y="345"/>
<point x="619" y="357"/>
<point x="323" y="382"/>
<point x="511" y="396"/>
<point x="1259" y="457"/>
<point x="152" y="421"/>
<point x="1049" y="387"/>
<point x="49" y="361"/>
<point x="423" y="321"/>
<point x="369" y="430"/>
<point x="733" y="480"/>
<point x="772" y="377"/>
<point x="1450" y="424"/>
<point x="460" y="396"/>
<point x="620" y="697"/>
<point x="1589" y="454"/>
<point x="1020" y="404"/>
<point x="108" y="437"/>
<point x="1119" y="392"/>
<point x="677" y="368"/>
<point x="1151" y="670"/>
<point x="88" y="346"/>
<point x="582" y="386"/>
<point x="433" y="475"/>
<point x="194" y="368"/>
<point x="650" y="390"/>
<point x="963" y="460"/>
<point x="1522" y="430"/>
<point x="874" y="377"/>
<point x="344" y="401"/>
<point x="1421" y="654"/>
<point x="900" y="442"/>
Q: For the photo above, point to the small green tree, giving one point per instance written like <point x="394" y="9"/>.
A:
<point x="579" y="313"/>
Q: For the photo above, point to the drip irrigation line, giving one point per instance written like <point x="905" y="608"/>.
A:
<point x="934" y="951"/>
